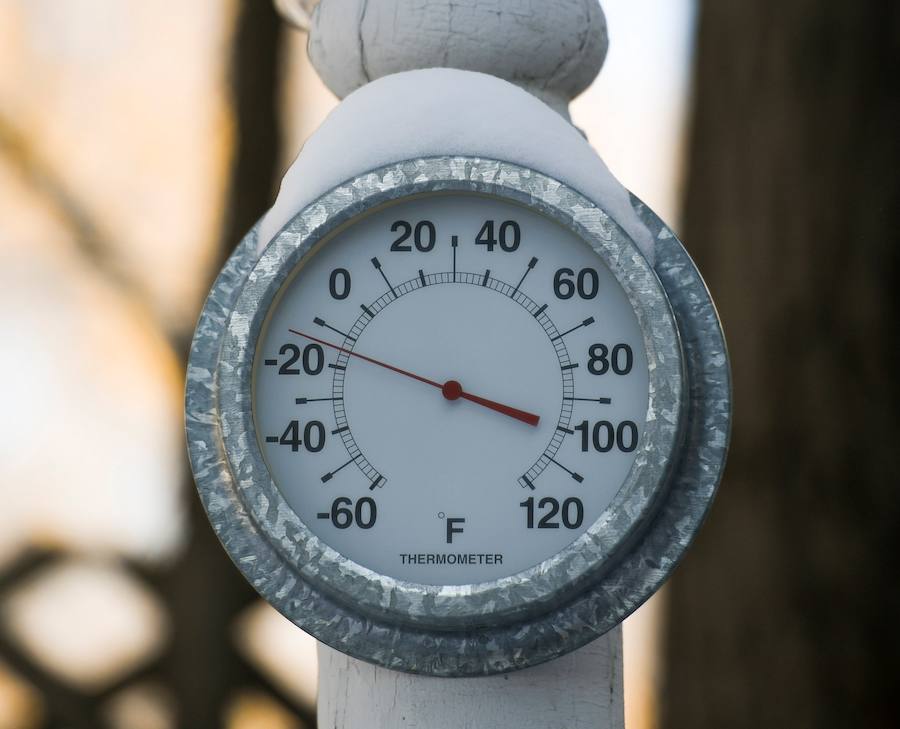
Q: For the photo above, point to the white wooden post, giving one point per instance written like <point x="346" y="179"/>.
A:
<point x="554" y="49"/>
<point x="582" y="690"/>
<point x="551" y="48"/>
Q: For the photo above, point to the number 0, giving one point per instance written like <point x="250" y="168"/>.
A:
<point x="339" y="284"/>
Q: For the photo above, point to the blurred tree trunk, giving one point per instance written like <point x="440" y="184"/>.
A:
<point x="784" y="613"/>
<point x="204" y="591"/>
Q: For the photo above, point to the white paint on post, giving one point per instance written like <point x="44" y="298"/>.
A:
<point x="553" y="50"/>
<point x="582" y="690"/>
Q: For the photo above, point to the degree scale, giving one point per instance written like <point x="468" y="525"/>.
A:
<point x="452" y="421"/>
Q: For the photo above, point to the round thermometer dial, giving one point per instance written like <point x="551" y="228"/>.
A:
<point x="450" y="389"/>
<point x="441" y="420"/>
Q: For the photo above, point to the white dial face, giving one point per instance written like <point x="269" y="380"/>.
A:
<point x="451" y="389"/>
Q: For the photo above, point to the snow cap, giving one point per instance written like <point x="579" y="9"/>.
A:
<point x="436" y="112"/>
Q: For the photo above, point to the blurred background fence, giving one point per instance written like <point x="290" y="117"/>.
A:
<point x="140" y="141"/>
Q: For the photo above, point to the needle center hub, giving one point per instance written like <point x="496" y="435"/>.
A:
<point x="452" y="390"/>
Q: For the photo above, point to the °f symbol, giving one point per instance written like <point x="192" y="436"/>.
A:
<point x="452" y="527"/>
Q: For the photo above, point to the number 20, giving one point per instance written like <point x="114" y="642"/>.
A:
<point x="424" y="236"/>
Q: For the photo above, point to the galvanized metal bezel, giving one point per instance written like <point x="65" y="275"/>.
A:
<point x="531" y="591"/>
<point x="456" y="630"/>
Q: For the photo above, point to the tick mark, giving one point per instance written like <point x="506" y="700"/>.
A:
<point x="569" y="366"/>
<point x="577" y="476"/>
<point x="342" y="367"/>
<point x="323" y="323"/>
<point x="422" y="278"/>
<point x="601" y="400"/>
<point x="528" y="482"/>
<point x="342" y="429"/>
<point x="454" y="243"/>
<point x="587" y="322"/>
<point x="328" y="476"/>
<point x="531" y="264"/>
<point x="306" y="400"/>
<point x="367" y="310"/>
<point x="377" y="264"/>
<point x="487" y="275"/>
<point x="375" y="483"/>
<point x="540" y="311"/>
<point x="565" y="430"/>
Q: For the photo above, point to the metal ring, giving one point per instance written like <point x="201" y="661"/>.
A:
<point x="540" y="620"/>
<point x="555" y="579"/>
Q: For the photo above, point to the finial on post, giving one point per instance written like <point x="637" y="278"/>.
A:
<point x="554" y="50"/>
<point x="296" y="12"/>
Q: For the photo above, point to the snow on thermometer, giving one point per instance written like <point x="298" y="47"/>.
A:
<point x="454" y="417"/>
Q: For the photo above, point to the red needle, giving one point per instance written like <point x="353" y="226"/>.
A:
<point x="451" y="389"/>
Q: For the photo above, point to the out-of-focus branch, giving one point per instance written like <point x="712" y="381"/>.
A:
<point x="96" y="248"/>
<point x="256" y="75"/>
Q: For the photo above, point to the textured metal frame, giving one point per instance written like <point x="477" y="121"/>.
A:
<point x="520" y="620"/>
<point x="500" y="601"/>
